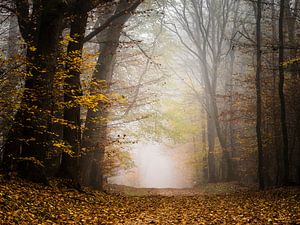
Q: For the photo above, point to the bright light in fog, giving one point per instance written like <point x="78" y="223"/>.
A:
<point x="156" y="169"/>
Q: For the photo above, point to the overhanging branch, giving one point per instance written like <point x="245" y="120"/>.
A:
<point x="111" y="19"/>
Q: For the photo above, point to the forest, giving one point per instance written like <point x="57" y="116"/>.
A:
<point x="149" y="112"/>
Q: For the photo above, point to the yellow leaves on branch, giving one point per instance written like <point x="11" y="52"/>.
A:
<point x="64" y="147"/>
<point x="32" y="159"/>
<point x="63" y="122"/>
<point x="92" y="101"/>
<point x="32" y="48"/>
<point x="97" y="101"/>
<point x="291" y="62"/>
<point x="67" y="39"/>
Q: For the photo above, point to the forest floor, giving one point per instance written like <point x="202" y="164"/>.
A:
<point x="204" y="189"/>
<point x="22" y="202"/>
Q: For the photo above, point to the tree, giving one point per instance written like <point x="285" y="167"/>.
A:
<point x="258" y="96"/>
<point x="95" y="134"/>
<point x="40" y="28"/>
<point x="284" y="130"/>
<point x="41" y="25"/>
<point x="206" y="24"/>
<point x="72" y="89"/>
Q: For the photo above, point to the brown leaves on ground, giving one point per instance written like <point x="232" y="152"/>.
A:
<point x="26" y="203"/>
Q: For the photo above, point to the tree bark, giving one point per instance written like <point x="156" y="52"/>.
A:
<point x="275" y="133"/>
<point x="284" y="131"/>
<point x="95" y="135"/>
<point x="260" y="172"/>
<point x="211" y="136"/>
<point x="34" y="120"/>
<point x="72" y="89"/>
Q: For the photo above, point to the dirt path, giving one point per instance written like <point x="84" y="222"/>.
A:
<point x="205" y="189"/>
<point x="174" y="192"/>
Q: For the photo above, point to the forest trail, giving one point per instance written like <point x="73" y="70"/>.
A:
<point x="27" y="203"/>
<point x="204" y="189"/>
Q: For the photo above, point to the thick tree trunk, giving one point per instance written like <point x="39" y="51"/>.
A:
<point x="32" y="135"/>
<point x="226" y="165"/>
<point x="95" y="135"/>
<point x="12" y="50"/>
<point x="210" y="88"/>
<point x="39" y="94"/>
<point x="13" y="81"/>
<point x="34" y="118"/>
<point x="72" y="89"/>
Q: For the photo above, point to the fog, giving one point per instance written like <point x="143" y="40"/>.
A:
<point x="200" y="97"/>
<point x="155" y="167"/>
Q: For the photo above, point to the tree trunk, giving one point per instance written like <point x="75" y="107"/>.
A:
<point x="95" y="135"/>
<point x="258" y="97"/>
<point x="34" y="118"/>
<point x="231" y="119"/>
<point x="204" y="147"/>
<point x="284" y="131"/>
<point x="72" y="89"/>
<point x="10" y="90"/>
<point x="211" y="137"/>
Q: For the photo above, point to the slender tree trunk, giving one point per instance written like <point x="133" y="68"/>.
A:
<point x="231" y="118"/>
<point x="284" y="130"/>
<point x="211" y="137"/>
<point x="204" y="147"/>
<point x="291" y="16"/>
<point x="258" y="96"/>
<point x="274" y="107"/>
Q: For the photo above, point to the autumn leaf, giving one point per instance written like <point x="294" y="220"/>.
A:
<point x="23" y="202"/>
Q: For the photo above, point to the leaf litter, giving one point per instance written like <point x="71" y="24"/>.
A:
<point x="23" y="202"/>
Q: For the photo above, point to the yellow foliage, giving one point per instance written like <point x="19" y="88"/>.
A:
<point x="32" y="48"/>
<point x="291" y="61"/>
<point x="33" y="160"/>
<point x="61" y="145"/>
<point x="63" y="122"/>
<point x="24" y="202"/>
<point x="92" y="101"/>
<point x="67" y="39"/>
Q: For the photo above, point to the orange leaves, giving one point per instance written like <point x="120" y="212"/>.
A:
<point x="27" y="203"/>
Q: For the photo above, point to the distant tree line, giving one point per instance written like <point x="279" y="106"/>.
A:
<point x="245" y="56"/>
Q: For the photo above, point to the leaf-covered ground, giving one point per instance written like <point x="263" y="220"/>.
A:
<point x="26" y="203"/>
